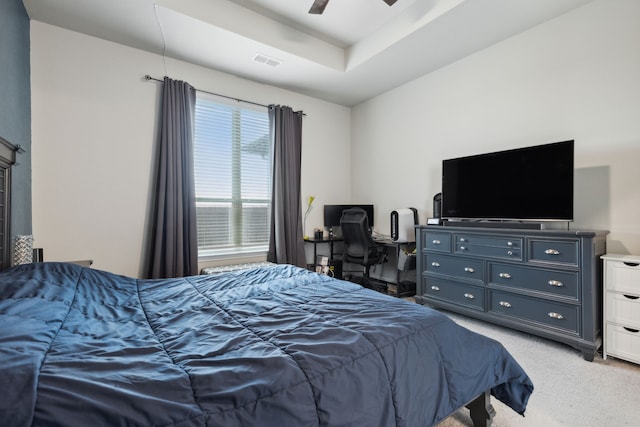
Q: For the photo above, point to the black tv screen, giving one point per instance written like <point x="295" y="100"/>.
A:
<point x="526" y="184"/>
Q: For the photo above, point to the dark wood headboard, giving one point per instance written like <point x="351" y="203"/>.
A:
<point x="7" y="159"/>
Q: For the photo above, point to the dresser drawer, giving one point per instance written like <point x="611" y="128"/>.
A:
<point x="562" y="252"/>
<point x="623" y="277"/>
<point x="454" y="292"/>
<point x="458" y="267"/>
<point x="480" y="240"/>
<point x="438" y="242"/>
<point x="623" y="342"/>
<point x="489" y="251"/>
<point x="548" y="313"/>
<point x="557" y="283"/>
<point x="488" y="246"/>
<point x="623" y="309"/>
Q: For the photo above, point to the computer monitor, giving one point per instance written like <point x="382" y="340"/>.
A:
<point x="333" y="213"/>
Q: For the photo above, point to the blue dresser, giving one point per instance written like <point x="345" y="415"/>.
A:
<point x="544" y="282"/>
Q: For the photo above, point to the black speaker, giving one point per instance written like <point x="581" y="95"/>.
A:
<point x="38" y="255"/>
<point x="437" y="205"/>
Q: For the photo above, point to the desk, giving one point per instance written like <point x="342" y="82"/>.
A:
<point x="405" y="267"/>
<point x="324" y="240"/>
<point x="334" y="265"/>
<point x="405" y="286"/>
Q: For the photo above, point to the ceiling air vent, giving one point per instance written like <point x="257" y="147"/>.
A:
<point x="267" y="60"/>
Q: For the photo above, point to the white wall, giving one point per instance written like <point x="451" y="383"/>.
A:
<point x="576" y="77"/>
<point x="94" y="129"/>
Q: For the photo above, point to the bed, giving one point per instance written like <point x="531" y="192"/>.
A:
<point x="269" y="346"/>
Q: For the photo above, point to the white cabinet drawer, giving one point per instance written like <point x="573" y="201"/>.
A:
<point x="623" y="277"/>
<point x="623" y="342"/>
<point x="623" y="309"/>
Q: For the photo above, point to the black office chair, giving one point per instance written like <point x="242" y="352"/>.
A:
<point x="359" y="246"/>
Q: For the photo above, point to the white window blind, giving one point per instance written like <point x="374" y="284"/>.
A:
<point x="233" y="168"/>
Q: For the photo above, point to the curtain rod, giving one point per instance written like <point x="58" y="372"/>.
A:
<point x="148" y="77"/>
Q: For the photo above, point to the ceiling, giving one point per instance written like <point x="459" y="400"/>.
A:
<point x="354" y="51"/>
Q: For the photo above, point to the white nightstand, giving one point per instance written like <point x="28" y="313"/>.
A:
<point x="621" y="308"/>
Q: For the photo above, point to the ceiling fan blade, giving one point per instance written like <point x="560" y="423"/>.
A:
<point x="318" y="6"/>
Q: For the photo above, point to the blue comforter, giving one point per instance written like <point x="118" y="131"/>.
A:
<point x="277" y="346"/>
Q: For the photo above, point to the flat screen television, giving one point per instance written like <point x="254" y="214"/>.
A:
<point x="530" y="184"/>
<point x="333" y="213"/>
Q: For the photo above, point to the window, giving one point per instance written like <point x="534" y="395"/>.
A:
<point x="233" y="168"/>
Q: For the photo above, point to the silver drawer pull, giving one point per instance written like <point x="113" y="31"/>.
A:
<point x="469" y="270"/>
<point x="504" y="276"/>
<point x="462" y="240"/>
<point x="552" y="252"/>
<point x="470" y="296"/>
<point x="509" y="243"/>
<point x="435" y="288"/>
<point x="510" y="253"/>
<point x="435" y="241"/>
<point x="505" y="304"/>
<point x="555" y="315"/>
<point x="435" y="264"/>
<point x="463" y="248"/>
<point x="556" y="283"/>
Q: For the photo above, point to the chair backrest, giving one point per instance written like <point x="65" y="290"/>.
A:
<point x="354" y="224"/>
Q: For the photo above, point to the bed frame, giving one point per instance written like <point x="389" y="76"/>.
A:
<point x="7" y="159"/>
<point x="481" y="411"/>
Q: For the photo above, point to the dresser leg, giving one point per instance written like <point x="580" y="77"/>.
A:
<point x="588" y="355"/>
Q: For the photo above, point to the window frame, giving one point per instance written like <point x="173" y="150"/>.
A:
<point x="237" y="244"/>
